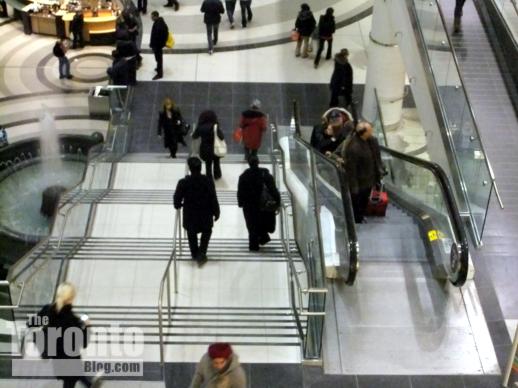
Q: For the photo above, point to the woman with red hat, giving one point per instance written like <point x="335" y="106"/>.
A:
<point x="219" y="368"/>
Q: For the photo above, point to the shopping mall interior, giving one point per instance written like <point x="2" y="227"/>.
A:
<point x="425" y="296"/>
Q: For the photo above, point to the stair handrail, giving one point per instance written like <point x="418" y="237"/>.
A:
<point x="165" y="282"/>
<point x="453" y="213"/>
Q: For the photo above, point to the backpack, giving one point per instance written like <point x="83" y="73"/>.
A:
<point x="266" y="201"/>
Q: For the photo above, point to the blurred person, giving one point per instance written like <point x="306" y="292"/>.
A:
<point x="260" y="221"/>
<point x="60" y="50"/>
<point x="326" y="29"/>
<point x="170" y="126"/>
<point x="159" y="35"/>
<point x="253" y="123"/>
<point x="230" y="6"/>
<point x="305" y="25"/>
<point x="196" y="194"/>
<point x="342" y="80"/>
<point x="173" y="3"/>
<point x="246" y="12"/>
<point x="212" y="10"/>
<point x="76" y="27"/>
<point x="206" y="129"/>
<point x="219" y="368"/>
<point x="142" y="6"/>
<point x="60" y="316"/>
<point x="457" y="15"/>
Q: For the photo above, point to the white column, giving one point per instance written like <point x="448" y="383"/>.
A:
<point x="385" y="70"/>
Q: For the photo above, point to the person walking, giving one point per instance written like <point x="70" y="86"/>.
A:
<point x="142" y="6"/>
<point x="60" y="50"/>
<point x="170" y="126"/>
<point x="246" y="12"/>
<point x="212" y="10"/>
<point x="196" y="194"/>
<point x="76" y="27"/>
<point x="253" y="123"/>
<point x="206" y="130"/>
<point x="260" y="221"/>
<point x="173" y="3"/>
<point x="326" y="29"/>
<point x="159" y="35"/>
<point x="305" y="25"/>
<point x="457" y="15"/>
<point x="342" y="80"/>
<point x="61" y="319"/>
<point x="230" y="5"/>
<point x="363" y="166"/>
<point x="219" y="368"/>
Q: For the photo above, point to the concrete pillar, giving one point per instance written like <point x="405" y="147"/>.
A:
<point x="385" y="69"/>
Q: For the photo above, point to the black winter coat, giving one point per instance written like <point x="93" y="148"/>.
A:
<point x="305" y="23"/>
<point x="64" y="320"/>
<point x="206" y="133"/>
<point x="323" y="142"/>
<point x="363" y="163"/>
<point x="171" y="128"/>
<point x="326" y="27"/>
<point x="120" y="72"/>
<point x="212" y="10"/>
<point x="342" y="78"/>
<point x="197" y="195"/>
<point x="76" y="25"/>
<point x="159" y="34"/>
<point x="249" y="198"/>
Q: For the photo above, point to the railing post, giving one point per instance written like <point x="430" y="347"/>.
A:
<point x="169" y="297"/>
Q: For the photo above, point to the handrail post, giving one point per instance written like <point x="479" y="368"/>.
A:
<point x="169" y="296"/>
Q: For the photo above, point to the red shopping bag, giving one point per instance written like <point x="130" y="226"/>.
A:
<point x="238" y="135"/>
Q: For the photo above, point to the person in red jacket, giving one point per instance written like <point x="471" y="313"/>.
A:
<point x="253" y="123"/>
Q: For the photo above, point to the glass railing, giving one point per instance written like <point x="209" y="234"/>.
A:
<point x="423" y="188"/>
<point x="509" y="11"/>
<point x="34" y="278"/>
<point x="473" y="176"/>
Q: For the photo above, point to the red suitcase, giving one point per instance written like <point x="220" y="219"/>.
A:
<point x="378" y="202"/>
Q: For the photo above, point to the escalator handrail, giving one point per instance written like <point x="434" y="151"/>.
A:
<point x="451" y="206"/>
<point x="346" y="200"/>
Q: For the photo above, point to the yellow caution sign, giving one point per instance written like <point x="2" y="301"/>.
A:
<point x="433" y="235"/>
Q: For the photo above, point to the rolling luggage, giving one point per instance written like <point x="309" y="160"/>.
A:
<point x="378" y="202"/>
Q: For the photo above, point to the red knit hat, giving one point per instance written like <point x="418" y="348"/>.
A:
<point x="220" y="350"/>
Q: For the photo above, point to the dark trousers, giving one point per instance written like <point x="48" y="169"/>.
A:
<point x="173" y="147"/>
<point x="257" y="235"/>
<point x="360" y="201"/>
<point x="321" y="43"/>
<point x="458" y="8"/>
<point x="142" y="6"/>
<point x="159" y="61"/>
<point x="335" y="95"/>
<point x="246" y="12"/>
<point x="249" y="152"/>
<point x="70" y="381"/>
<point x="176" y="4"/>
<point x="212" y="35"/>
<point x="198" y="251"/>
<point x="3" y="9"/>
<point x="209" y="164"/>
<point x="78" y="39"/>
<point x="231" y="7"/>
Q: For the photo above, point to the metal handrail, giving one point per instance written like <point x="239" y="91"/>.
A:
<point x="21" y="285"/>
<point x="470" y="106"/>
<point x="166" y="281"/>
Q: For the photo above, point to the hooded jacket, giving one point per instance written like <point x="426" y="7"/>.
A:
<point x="253" y="123"/>
<point x="206" y="376"/>
<point x="305" y="23"/>
<point x="322" y="141"/>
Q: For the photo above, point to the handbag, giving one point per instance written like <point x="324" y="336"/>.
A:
<point x="295" y="35"/>
<point x="266" y="202"/>
<point x="170" y="40"/>
<point x="220" y="146"/>
<point x="238" y="135"/>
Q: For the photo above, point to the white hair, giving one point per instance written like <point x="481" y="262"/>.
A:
<point x="65" y="295"/>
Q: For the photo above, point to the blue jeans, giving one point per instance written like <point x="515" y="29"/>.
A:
<point x="212" y="30"/>
<point x="64" y="67"/>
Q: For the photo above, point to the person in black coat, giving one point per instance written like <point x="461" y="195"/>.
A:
<point x="342" y="80"/>
<point x="305" y="25"/>
<point x="159" y="35"/>
<point x="170" y="126"/>
<point x="120" y="70"/>
<point x="60" y="318"/>
<point x="205" y="130"/>
<point x="76" y="27"/>
<point x="363" y="166"/>
<point x="334" y="129"/>
<point x="250" y="186"/>
<point x="459" y="4"/>
<point x="197" y="195"/>
<point x="326" y="29"/>
<point x="212" y="10"/>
